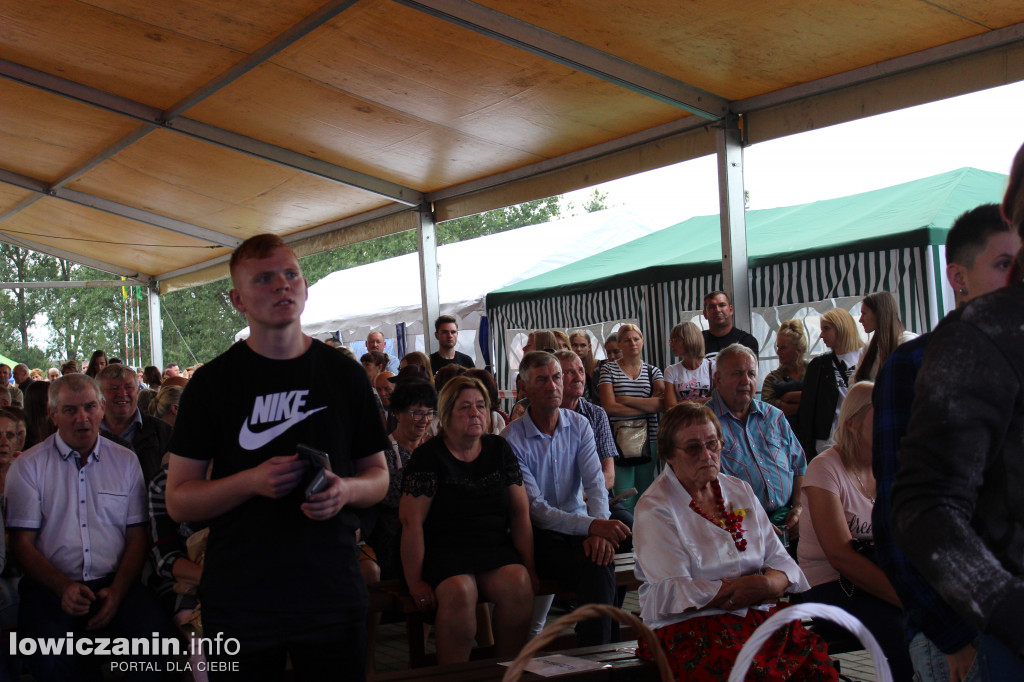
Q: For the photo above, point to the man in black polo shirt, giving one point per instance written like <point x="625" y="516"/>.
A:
<point x="281" y="574"/>
<point x="719" y="313"/>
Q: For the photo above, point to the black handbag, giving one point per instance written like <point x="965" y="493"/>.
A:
<point x="866" y="548"/>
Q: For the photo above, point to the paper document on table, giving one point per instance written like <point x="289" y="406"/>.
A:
<point x="558" y="664"/>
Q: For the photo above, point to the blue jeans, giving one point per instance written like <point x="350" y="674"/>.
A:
<point x="994" y="662"/>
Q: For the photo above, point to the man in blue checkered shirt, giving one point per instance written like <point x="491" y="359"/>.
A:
<point x="760" y="447"/>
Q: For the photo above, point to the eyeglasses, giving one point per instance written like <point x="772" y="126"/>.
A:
<point x="419" y="415"/>
<point x="697" y="449"/>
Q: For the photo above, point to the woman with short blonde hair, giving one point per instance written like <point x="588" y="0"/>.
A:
<point x="827" y="381"/>
<point x="783" y="386"/>
<point x="165" y="405"/>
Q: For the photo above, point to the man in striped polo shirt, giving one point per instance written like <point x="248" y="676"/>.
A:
<point x="760" y="447"/>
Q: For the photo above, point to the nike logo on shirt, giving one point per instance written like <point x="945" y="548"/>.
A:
<point x="285" y="408"/>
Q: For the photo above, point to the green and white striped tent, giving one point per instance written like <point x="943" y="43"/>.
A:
<point x="889" y="239"/>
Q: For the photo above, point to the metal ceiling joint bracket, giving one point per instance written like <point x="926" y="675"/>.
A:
<point x="575" y="55"/>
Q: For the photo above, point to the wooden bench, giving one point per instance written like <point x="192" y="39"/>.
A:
<point x="391" y="596"/>
<point x="620" y="665"/>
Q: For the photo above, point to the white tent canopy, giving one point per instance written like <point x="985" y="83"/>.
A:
<point x="384" y="294"/>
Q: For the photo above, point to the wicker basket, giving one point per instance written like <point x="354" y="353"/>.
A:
<point x="810" y="610"/>
<point x="552" y="631"/>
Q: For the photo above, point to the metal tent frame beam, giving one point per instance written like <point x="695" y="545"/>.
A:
<point x="295" y="237"/>
<point x="732" y="214"/>
<point x="983" y="42"/>
<point x="154" y="118"/>
<point x="121" y="210"/>
<point x="574" y="55"/>
<point x="64" y="284"/>
<point x="285" y="40"/>
<point x="580" y="156"/>
<point x="426" y="237"/>
<point x="56" y="252"/>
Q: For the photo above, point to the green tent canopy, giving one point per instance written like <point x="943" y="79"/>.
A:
<point x="889" y="239"/>
<point x="7" y="361"/>
<point x="916" y="213"/>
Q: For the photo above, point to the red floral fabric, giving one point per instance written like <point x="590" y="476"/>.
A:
<point x="705" y="649"/>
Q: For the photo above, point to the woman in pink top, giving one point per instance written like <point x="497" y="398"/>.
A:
<point x="836" y="549"/>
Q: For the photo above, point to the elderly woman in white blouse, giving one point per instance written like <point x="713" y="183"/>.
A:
<point x="713" y="567"/>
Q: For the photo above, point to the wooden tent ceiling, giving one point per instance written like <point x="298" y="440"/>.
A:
<point x="148" y="139"/>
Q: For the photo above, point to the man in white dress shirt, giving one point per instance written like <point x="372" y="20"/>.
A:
<point x="77" y="515"/>
<point x="574" y="542"/>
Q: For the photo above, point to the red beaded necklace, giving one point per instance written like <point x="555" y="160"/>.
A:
<point x="730" y="520"/>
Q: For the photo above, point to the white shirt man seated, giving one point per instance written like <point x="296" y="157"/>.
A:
<point x="574" y="541"/>
<point x="77" y="513"/>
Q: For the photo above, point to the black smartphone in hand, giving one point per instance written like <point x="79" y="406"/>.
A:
<point x="319" y="464"/>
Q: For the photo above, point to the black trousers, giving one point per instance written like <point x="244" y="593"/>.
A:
<point x="319" y="650"/>
<point x="561" y="558"/>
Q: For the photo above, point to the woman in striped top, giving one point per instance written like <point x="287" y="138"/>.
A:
<point x="631" y="389"/>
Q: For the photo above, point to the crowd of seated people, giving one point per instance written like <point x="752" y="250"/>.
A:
<point x="528" y="524"/>
<point x="777" y="497"/>
<point x="129" y="570"/>
<point x="734" y="503"/>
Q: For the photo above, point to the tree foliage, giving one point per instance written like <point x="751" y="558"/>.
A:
<point x="198" y="323"/>
<point x="21" y="307"/>
<point x="67" y="323"/>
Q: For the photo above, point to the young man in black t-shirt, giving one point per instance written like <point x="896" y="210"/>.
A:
<point x="281" y="574"/>
<point x="446" y="331"/>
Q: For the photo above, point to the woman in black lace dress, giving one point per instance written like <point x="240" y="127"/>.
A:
<point x="466" y="527"/>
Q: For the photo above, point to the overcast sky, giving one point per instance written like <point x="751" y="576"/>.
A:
<point x="981" y="130"/>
